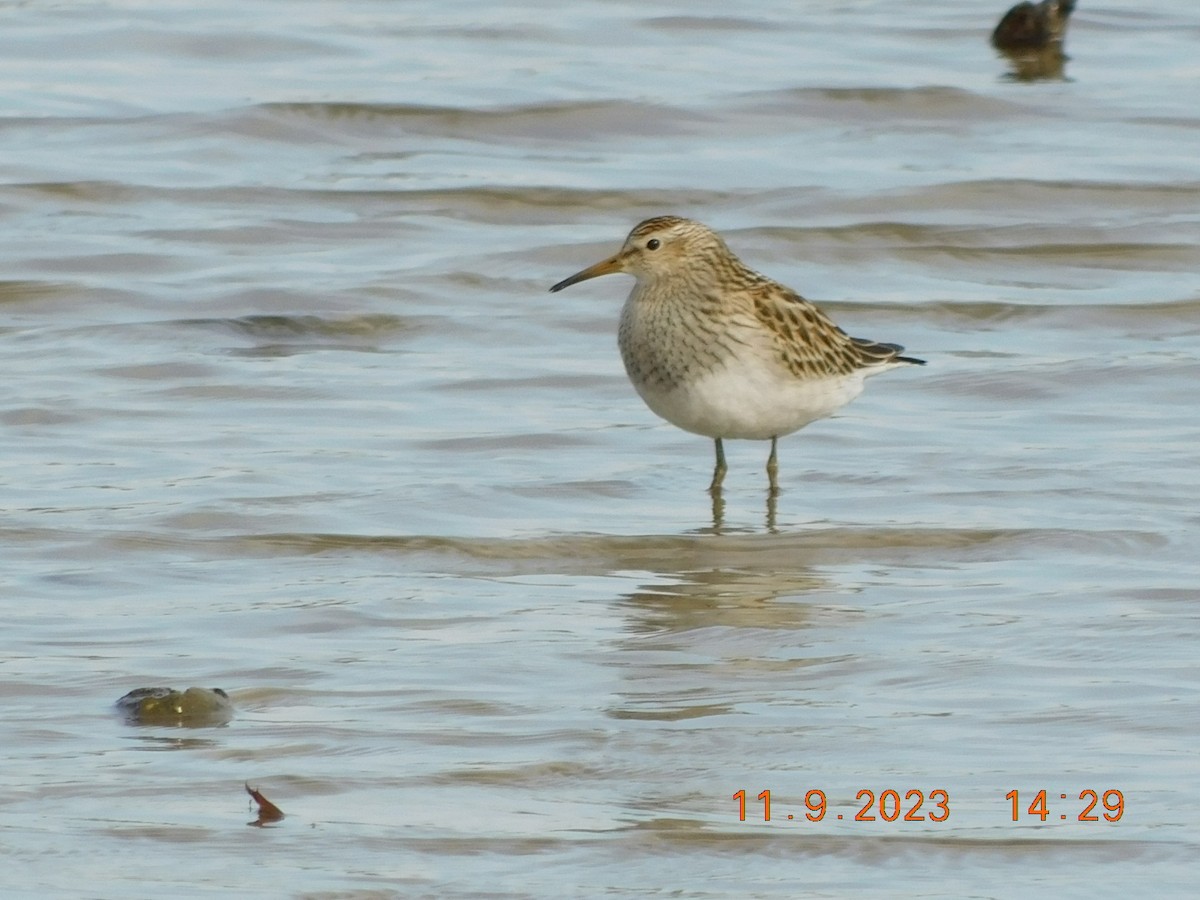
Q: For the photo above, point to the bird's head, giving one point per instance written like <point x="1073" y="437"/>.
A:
<point x="660" y="248"/>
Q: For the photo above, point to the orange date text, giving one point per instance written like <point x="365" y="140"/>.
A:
<point x="883" y="806"/>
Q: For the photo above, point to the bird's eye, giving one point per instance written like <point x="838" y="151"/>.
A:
<point x="653" y="244"/>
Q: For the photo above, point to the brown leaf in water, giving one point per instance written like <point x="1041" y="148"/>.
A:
<point x="268" y="812"/>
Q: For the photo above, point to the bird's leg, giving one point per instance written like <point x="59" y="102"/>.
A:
<point x="718" y="470"/>
<point x="773" y="469"/>
<point x="718" y="511"/>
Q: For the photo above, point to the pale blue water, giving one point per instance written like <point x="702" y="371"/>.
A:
<point x="290" y="411"/>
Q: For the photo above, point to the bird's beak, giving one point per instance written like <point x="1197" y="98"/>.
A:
<point x="604" y="267"/>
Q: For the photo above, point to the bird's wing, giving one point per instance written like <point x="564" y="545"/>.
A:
<point x="809" y="342"/>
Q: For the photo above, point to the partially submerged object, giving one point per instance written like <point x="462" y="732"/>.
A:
<point x="1031" y="35"/>
<point x="195" y="707"/>
<point x="268" y="812"/>
<point x="1033" y="26"/>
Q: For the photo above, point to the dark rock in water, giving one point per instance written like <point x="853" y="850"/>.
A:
<point x="1032" y="26"/>
<point x="196" y="707"/>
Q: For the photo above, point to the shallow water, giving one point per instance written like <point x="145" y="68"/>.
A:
<point x="291" y="413"/>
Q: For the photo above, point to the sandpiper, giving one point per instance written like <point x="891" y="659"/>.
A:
<point x="719" y="350"/>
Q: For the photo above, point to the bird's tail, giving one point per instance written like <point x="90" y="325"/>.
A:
<point x="876" y="353"/>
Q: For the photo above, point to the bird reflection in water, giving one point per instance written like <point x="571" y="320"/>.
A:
<point x="718" y="512"/>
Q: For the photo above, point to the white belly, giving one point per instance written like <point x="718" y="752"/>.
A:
<point x="750" y="402"/>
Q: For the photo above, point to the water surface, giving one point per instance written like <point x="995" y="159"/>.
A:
<point x="290" y="412"/>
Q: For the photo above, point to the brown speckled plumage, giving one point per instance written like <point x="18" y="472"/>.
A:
<point x="721" y="350"/>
